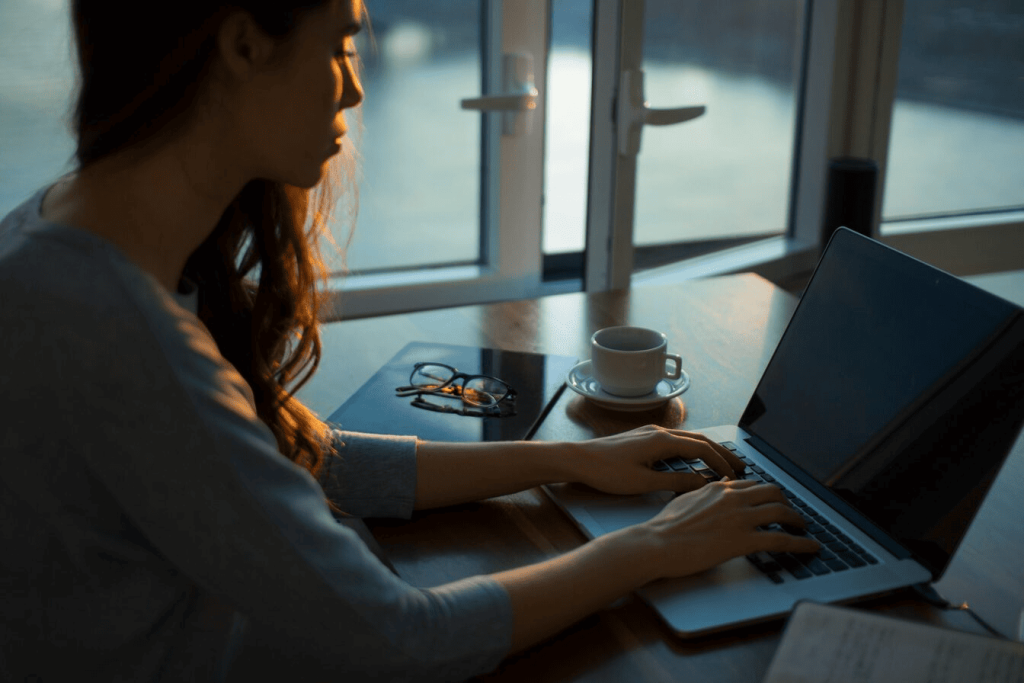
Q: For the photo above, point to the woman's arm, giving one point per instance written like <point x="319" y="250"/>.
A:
<point x="450" y="473"/>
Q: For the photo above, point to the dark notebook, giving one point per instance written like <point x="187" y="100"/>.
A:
<point x="538" y="379"/>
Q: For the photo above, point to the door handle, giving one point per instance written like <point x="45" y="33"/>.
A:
<point x="633" y="112"/>
<point x="518" y="99"/>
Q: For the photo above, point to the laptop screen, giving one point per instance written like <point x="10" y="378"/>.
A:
<point x="847" y="396"/>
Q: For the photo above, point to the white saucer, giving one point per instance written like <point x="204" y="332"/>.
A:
<point x="581" y="380"/>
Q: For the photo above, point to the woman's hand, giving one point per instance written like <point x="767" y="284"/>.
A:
<point x="704" y="528"/>
<point x="622" y="463"/>
<point x="694" y="532"/>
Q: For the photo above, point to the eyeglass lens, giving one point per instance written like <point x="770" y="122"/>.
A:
<point x="481" y="391"/>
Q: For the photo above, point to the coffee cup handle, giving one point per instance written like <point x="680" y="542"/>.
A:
<point x="677" y="373"/>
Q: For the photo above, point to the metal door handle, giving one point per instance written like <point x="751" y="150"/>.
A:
<point x="634" y="114"/>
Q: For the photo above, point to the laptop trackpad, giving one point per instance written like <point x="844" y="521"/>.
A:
<point x="611" y="514"/>
<point x="730" y="594"/>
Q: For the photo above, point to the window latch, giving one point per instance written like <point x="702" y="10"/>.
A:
<point x="518" y="100"/>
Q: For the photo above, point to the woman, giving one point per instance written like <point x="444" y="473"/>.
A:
<point x="165" y="496"/>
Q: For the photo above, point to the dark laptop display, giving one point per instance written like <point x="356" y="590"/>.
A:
<point x="905" y="413"/>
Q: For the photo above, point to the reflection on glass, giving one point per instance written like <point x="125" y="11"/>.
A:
<point x="378" y="408"/>
<point x="957" y="137"/>
<point x="419" y="200"/>
<point x="726" y="174"/>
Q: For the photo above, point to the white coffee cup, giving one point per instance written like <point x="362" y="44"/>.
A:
<point x="630" y="361"/>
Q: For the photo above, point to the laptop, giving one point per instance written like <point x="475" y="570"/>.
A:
<point x="885" y="413"/>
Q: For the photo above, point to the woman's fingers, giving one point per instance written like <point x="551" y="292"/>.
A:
<point x="695" y="449"/>
<point x="715" y="455"/>
<point x="776" y="513"/>
<point x="781" y="542"/>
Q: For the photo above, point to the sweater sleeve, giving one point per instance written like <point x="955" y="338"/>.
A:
<point x="167" y="427"/>
<point x="373" y="475"/>
<point x="221" y="503"/>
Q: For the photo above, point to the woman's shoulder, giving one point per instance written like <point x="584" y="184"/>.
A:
<point x="70" y="299"/>
<point x="58" y="270"/>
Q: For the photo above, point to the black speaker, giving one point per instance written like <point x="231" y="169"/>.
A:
<point x="850" y="199"/>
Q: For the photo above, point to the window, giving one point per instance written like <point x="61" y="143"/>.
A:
<point x="419" y="203"/>
<point x="461" y="206"/>
<point x="35" y="84"/>
<point x="934" y="91"/>
<point x="957" y="141"/>
<point x="724" y="177"/>
<point x="451" y="207"/>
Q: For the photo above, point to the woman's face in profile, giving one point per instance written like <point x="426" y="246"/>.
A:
<point x="300" y="103"/>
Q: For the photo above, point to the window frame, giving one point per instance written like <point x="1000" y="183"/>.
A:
<point x="847" y="91"/>
<point x="512" y="183"/>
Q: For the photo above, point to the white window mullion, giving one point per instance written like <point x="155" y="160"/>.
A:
<point x="815" y="125"/>
<point x="618" y="46"/>
<point x="519" y="258"/>
<point x="602" y="197"/>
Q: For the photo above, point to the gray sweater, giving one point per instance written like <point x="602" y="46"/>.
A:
<point x="147" y="519"/>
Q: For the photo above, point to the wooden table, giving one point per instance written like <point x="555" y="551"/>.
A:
<point x="725" y="329"/>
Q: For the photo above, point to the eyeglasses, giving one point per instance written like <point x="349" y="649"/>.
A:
<point x="488" y="394"/>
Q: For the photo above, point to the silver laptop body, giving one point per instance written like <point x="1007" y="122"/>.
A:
<point x="886" y="411"/>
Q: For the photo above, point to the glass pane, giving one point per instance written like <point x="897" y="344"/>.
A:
<point x="957" y="141"/>
<point x="567" y="142"/>
<point x="36" y="79"/>
<point x="419" y="200"/>
<point x="726" y="174"/>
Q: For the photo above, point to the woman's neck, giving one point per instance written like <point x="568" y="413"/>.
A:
<point x="156" y="207"/>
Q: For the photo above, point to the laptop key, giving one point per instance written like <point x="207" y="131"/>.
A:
<point x="836" y="565"/>
<point x="764" y="561"/>
<point x="851" y="559"/>
<point x="817" y="567"/>
<point x="794" y="567"/>
<point x="678" y="465"/>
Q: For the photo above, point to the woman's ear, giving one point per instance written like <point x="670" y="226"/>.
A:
<point x="242" y="45"/>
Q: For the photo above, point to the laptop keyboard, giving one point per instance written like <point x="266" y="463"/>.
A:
<point x="838" y="552"/>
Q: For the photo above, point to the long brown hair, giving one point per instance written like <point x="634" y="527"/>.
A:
<point x="260" y="272"/>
